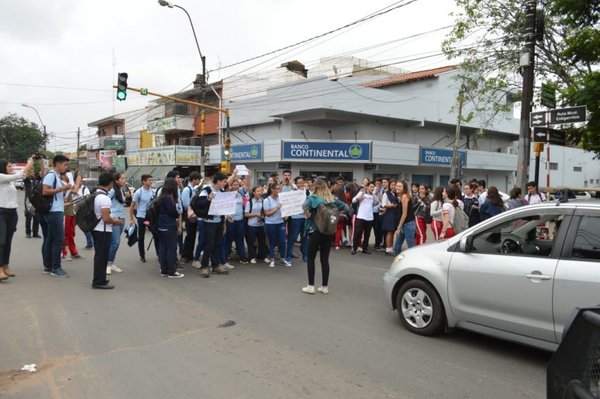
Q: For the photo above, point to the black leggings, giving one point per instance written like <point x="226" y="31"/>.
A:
<point x="362" y="226"/>
<point x="318" y="242"/>
<point x="8" y="226"/>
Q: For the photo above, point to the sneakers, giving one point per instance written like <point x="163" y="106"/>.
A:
<point x="46" y="270"/>
<point x="309" y="289"/>
<point x="337" y="248"/>
<point x="142" y="260"/>
<point x="287" y="263"/>
<point x="196" y="264"/>
<point x="115" y="269"/>
<point x="220" y="270"/>
<point x="353" y="252"/>
<point x="89" y="247"/>
<point x="108" y="270"/>
<point x="65" y="257"/>
<point x="244" y="261"/>
<point x="175" y="275"/>
<point x="227" y="265"/>
<point x="76" y="256"/>
<point x="366" y="252"/>
<point x="267" y="260"/>
<point x="272" y="264"/>
<point x="323" y="290"/>
<point x="28" y="235"/>
<point x="204" y="272"/>
<point x="59" y="272"/>
<point x="253" y="261"/>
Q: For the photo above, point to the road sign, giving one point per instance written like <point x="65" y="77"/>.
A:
<point x="539" y="118"/>
<point x="548" y="96"/>
<point x="552" y="136"/>
<point x="568" y="115"/>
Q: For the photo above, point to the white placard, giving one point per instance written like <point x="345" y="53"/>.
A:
<point x="241" y="170"/>
<point x="223" y="204"/>
<point x="291" y="202"/>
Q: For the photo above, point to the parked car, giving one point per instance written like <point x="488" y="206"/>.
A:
<point x="516" y="276"/>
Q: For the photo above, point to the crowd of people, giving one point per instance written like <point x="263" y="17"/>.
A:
<point x="393" y="211"/>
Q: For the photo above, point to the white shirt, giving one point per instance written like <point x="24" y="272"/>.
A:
<point x="365" y="208"/>
<point x="482" y="197"/>
<point x="535" y="198"/>
<point x="448" y="209"/>
<point x="102" y="201"/>
<point x="8" y="191"/>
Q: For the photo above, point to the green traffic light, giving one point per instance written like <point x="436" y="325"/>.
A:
<point x="121" y="95"/>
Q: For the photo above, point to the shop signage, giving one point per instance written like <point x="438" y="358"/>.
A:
<point x="329" y="151"/>
<point x="247" y="152"/>
<point x="152" y="156"/>
<point x="162" y="125"/>
<point x="439" y="156"/>
<point x="114" y="144"/>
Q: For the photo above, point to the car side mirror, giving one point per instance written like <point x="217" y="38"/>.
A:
<point x="466" y="243"/>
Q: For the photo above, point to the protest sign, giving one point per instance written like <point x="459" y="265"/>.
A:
<point x="291" y="202"/>
<point x="241" y="170"/>
<point x="223" y="204"/>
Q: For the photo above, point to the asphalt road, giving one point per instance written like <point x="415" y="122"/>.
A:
<point x="252" y="334"/>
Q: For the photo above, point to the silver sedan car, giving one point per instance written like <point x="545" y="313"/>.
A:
<point x="517" y="276"/>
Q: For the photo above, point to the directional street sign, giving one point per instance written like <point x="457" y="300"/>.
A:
<point x="551" y="136"/>
<point x="568" y="115"/>
<point x="539" y="118"/>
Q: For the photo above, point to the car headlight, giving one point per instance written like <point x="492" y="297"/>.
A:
<point x="397" y="259"/>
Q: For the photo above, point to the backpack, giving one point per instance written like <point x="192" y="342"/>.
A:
<point x="85" y="215"/>
<point x="461" y="220"/>
<point x="38" y="201"/>
<point x="200" y="208"/>
<point x="327" y="216"/>
<point x="152" y="212"/>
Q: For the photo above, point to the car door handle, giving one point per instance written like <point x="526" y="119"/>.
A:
<point x="534" y="276"/>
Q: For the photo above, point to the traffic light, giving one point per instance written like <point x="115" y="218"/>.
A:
<point x="225" y="167"/>
<point x="227" y="149"/>
<point x="122" y="86"/>
<point x="538" y="148"/>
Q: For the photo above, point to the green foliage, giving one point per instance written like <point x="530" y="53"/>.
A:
<point x="19" y="138"/>
<point x="488" y="39"/>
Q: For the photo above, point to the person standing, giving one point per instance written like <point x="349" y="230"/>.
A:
<point x="379" y="192"/>
<point x="533" y="195"/>
<point x="471" y="203"/>
<point x="364" y="218"/>
<point x="235" y="228"/>
<point x="274" y="224"/>
<point x="516" y="200"/>
<point x="493" y="204"/>
<point x="8" y="212"/>
<point x="317" y="241"/>
<point x="169" y="228"/>
<point x="84" y="191"/>
<point x="405" y="217"/>
<point x="103" y="231"/>
<point x="422" y="216"/>
<point x="256" y="226"/>
<point x="70" y="225"/>
<point x="296" y="227"/>
<point x="52" y="222"/>
<point x="448" y="210"/>
<point x="117" y="210"/>
<point x="137" y="212"/>
<point x="32" y="224"/>
<point x="436" y="212"/>
<point x="191" y="228"/>
<point x="389" y="202"/>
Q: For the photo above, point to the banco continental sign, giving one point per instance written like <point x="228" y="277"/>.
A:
<point x="246" y="152"/>
<point x="335" y="151"/>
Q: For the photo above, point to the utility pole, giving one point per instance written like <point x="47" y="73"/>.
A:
<point x="454" y="167"/>
<point x="527" y="64"/>
<point x="78" y="146"/>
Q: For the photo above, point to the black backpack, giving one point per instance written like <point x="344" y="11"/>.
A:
<point x="85" y="214"/>
<point x="199" y="207"/>
<point x="152" y="213"/>
<point x="41" y="203"/>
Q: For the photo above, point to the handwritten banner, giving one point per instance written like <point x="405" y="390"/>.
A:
<point x="223" y="204"/>
<point x="291" y="202"/>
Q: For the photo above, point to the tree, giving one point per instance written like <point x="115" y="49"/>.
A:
<point x="489" y="37"/>
<point x="19" y="138"/>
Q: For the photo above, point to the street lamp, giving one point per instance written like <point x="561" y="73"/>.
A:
<point x="41" y="121"/>
<point x="166" y="3"/>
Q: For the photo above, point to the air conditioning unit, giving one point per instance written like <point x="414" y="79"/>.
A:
<point x="507" y="150"/>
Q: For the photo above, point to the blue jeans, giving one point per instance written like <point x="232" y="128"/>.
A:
<point x="116" y="240"/>
<point x="201" y="238"/>
<point x="235" y="232"/>
<point x="168" y="251"/>
<point x="276" y="234"/>
<point x="256" y="235"/>
<point x="406" y="233"/>
<point x="89" y="238"/>
<point x="296" y="227"/>
<point x="53" y="228"/>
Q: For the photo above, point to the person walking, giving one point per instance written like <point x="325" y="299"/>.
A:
<point x="405" y="216"/>
<point x="364" y="218"/>
<point x="8" y="212"/>
<point x="137" y="212"/>
<point x="103" y="231"/>
<point x="274" y="224"/>
<point x="317" y="241"/>
<point x="117" y="210"/>
<point x="52" y="222"/>
<point x="169" y="228"/>
<point x="256" y="226"/>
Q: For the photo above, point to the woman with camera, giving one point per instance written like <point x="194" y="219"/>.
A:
<point x="8" y="212"/>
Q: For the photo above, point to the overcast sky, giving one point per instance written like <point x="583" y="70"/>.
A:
<point x="80" y="45"/>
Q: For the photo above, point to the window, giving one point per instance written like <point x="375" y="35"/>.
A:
<point x="587" y="240"/>
<point x="527" y="235"/>
<point x="444" y="180"/>
<point x="422" y="179"/>
<point x="577" y="169"/>
<point x="553" y="165"/>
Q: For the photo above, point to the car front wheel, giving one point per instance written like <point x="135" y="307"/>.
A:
<point x="420" y="308"/>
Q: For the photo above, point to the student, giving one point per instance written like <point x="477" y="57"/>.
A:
<point x="448" y="209"/>
<point x="52" y="222"/>
<point x="318" y="242"/>
<point x="493" y="204"/>
<point x="296" y="227"/>
<point x="117" y="210"/>
<point x="516" y="200"/>
<point x="69" y="241"/>
<point x="389" y="202"/>
<point x="436" y="212"/>
<point x="274" y="224"/>
<point x="137" y="212"/>
<point x="471" y="203"/>
<point x="191" y="229"/>
<point x="256" y="226"/>
<point x="405" y="217"/>
<point x="103" y="231"/>
<point x="422" y="216"/>
<point x="235" y="228"/>
<point x="169" y="228"/>
<point x="364" y="217"/>
<point x="533" y="196"/>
